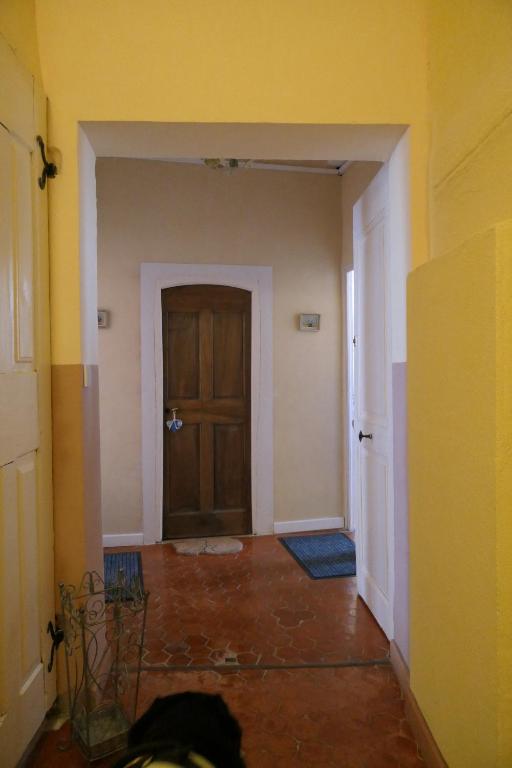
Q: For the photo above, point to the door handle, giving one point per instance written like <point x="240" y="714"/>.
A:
<point x="369" y="436"/>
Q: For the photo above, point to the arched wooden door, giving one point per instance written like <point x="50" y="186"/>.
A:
<point x="206" y="334"/>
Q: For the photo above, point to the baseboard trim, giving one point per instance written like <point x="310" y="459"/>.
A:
<point x="313" y="524"/>
<point x="422" y="733"/>
<point x="123" y="539"/>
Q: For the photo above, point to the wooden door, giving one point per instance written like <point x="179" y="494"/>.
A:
<point x="27" y="689"/>
<point x="207" y="377"/>
<point x="374" y="532"/>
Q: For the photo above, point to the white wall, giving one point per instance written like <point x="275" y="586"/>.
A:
<point x="88" y="250"/>
<point x="155" y="211"/>
<point x="353" y="183"/>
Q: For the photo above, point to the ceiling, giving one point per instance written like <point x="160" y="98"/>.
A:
<point x="303" y="145"/>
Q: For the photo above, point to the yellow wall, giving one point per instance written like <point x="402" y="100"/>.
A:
<point x="291" y="61"/>
<point x="459" y="382"/>
<point x="18" y="26"/>
<point x="452" y="413"/>
<point x="471" y="99"/>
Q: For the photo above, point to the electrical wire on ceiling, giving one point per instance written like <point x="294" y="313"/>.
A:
<point x="231" y="164"/>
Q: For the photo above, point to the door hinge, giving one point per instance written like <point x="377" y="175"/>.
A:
<point x="49" y="169"/>
<point x="57" y="636"/>
<point x="354" y="342"/>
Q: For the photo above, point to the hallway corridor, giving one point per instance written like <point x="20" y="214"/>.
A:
<point x="301" y="663"/>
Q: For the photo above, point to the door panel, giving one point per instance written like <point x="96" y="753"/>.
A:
<point x="374" y="539"/>
<point x="228" y="351"/>
<point x="373" y="400"/>
<point x="184" y="459"/>
<point x="27" y="689"/>
<point x="18" y="414"/>
<point x="229" y="443"/>
<point x="374" y="481"/>
<point x="23" y="258"/>
<point x="183" y="344"/>
<point x="206" y="349"/>
<point x="23" y="670"/>
<point x="6" y="248"/>
<point x="28" y="576"/>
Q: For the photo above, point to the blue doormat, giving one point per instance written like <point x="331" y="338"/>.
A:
<point x="323" y="556"/>
<point x="131" y="565"/>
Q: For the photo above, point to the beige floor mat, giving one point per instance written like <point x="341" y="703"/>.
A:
<point x="217" y="545"/>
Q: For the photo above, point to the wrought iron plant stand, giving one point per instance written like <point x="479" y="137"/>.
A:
<point x="103" y="638"/>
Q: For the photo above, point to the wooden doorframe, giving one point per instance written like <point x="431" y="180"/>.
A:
<point x="154" y="277"/>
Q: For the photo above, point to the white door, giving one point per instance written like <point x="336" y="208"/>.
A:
<point x="26" y="533"/>
<point x="374" y="536"/>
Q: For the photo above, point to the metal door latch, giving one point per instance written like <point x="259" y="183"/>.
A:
<point x="57" y="636"/>
<point x="369" y="436"/>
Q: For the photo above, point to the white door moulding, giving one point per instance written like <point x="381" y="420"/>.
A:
<point x="154" y="278"/>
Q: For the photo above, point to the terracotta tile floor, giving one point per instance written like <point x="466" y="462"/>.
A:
<point x="262" y="608"/>
<point x="259" y="607"/>
<point x="323" y="718"/>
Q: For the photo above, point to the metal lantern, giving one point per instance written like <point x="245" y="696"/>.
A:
<point x="103" y="638"/>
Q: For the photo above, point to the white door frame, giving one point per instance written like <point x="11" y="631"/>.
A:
<point x="351" y="452"/>
<point x="154" y="278"/>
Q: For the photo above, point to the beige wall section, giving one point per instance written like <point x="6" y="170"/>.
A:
<point x="151" y="211"/>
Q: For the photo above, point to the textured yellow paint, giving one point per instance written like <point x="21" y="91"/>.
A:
<point x="470" y="76"/>
<point x="460" y="450"/>
<point x="504" y="488"/>
<point x="18" y="26"/>
<point x="293" y="61"/>
<point x="460" y="410"/>
<point x="171" y="61"/>
<point x="477" y="195"/>
<point x="470" y="64"/>
<point x="452" y="451"/>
